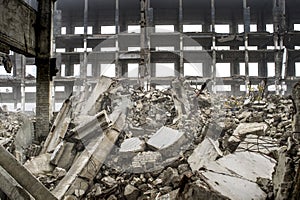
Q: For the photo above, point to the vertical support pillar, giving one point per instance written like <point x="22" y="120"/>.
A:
<point x="23" y="71"/>
<point x="279" y="28"/>
<point x="117" y="23"/>
<point x="181" y="69"/>
<point x="143" y="43"/>
<point x="44" y="34"/>
<point x="246" y="31"/>
<point x="214" y="56"/>
<point x="83" y="67"/>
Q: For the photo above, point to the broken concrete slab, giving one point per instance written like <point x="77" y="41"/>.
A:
<point x="145" y="161"/>
<point x="87" y="165"/>
<point x="259" y="144"/>
<point x="40" y="164"/>
<point x="205" y="152"/>
<point x="59" y="128"/>
<point x="248" y="165"/>
<point x="250" y="128"/>
<point x="11" y="187"/>
<point x="164" y="138"/>
<point x="64" y="154"/>
<point x="132" y="145"/>
<point x="93" y="103"/>
<point x="233" y="187"/>
<point x="23" y="176"/>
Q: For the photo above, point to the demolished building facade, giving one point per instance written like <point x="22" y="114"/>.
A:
<point x="157" y="100"/>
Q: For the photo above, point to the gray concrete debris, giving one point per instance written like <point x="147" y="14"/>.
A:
<point x="63" y="155"/>
<point x="205" y="152"/>
<point x="164" y="138"/>
<point x="40" y="165"/>
<point x="131" y="192"/>
<point x="259" y="144"/>
<point x="132" y="145"/>
<point x="147" y="160"/>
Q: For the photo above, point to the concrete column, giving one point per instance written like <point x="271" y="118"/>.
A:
<point x="180" y="18"/>
<point x="117" y="23"/>
<point x="44" y="35"/>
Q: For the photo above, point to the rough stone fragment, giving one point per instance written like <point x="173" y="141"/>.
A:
<point x="164" y="138"/>
<point x="249" y="165"/>
<point x="39" y="165"/>
<point x="233" y="187"/>
<point x="170" y="196"/>
<point x="205" y="152"/>
<point x="244" y="129"/>
<point x="131" y="192"/>
<point x="63" y="155"/>
<point x="132" y="145"/>
<point x="108" y="180"/>
<point x="260" y="144"/>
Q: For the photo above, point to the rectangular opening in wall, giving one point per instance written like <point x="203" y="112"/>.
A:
<point x="90" y="30"/>
<point x="78" y="49"/>
<point x="133" y="70"/>
<point x="30" y="107"/>
<point x="108" y="49"/>
<point x="11" y="53"/>
<point x="166" y="48"/>
<point x="192" y="28"/>
<point x="270" y="28"/>
<point x="58" y="106"/>
<point x="76" y="70"/>
<point x="108" y="70"/>
<point x="253" y="48"/>
<point x="253" y="69"/>
<point x="297" y="47"/>
<point x="108" y="29"/>
<point x="134" y="29"/>
<point x="253" y="88"/>
<point x="134" y="48"/>
<point x="164" y="69"/>
<point x="219" y="48"/>
<point x="6" y="89"/>
<point x="223" y="70"/>
<point x="223" y="88"/>
<point x="7" y="106"/>
<point x="89" y="49"/>
<point x="193" y="69"/>
<point x="253" y="28"/>
<point x="222" y="28"/>
<point x="192" y="48"/>
<point x="59" y="88"/>
<point x="30" y="89"/>
<point x="271" y="69"/>
<point x="62" y="70"/>
<point x="270" y="47"/>
<point x="89" y="70"/>
<point x="63" y="30"/>
<point x="3" y="71"/>
<point x="297" y="69"/>
<point x="79" y="30"/>
<point x="242" y="69"/>
<point x="30" y="71"/>
<point x="296" y="27"/>
<point x="164" y="28"/>
<point x="60" y="50"/>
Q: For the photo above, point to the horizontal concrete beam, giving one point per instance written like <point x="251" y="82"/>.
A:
<point x="17" y="29"/>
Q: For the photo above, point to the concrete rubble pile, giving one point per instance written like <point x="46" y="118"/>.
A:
<point x="119" y="142"/>
<point x="17" y="133"/>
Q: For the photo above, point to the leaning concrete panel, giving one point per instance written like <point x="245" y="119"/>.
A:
<point x="17" y="30"/>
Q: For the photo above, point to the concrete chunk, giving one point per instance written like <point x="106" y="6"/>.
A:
<point x="132" y="145"/>
<point x="164" y="138"/>
<point x="248" y="128"/>
<point x="206" y="152"/>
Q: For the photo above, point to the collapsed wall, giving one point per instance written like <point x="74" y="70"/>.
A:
<point x="119" y="142"/>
